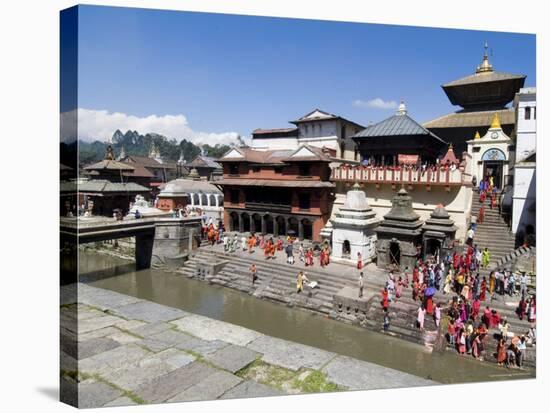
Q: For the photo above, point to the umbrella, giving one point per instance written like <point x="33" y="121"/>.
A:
<point x="429" y="292"/>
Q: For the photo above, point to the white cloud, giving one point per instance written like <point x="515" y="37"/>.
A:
<point x="101" y="124"/>
<point x="377" y="103"/>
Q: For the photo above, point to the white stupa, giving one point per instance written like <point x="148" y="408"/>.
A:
<point x="353" y="229"/>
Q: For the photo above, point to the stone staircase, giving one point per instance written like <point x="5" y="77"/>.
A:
<point x="493" y="233"/>
<point x="277" y="282"/>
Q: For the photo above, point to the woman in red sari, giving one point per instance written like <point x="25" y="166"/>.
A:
<point x="429" y="305"/>
<point x="309" y="257"/>
<point x="481" y="215"/>
<point x="359" y="261"/>
<point x="482" y="197"/>
<point x="483" y="290"/>
<point x="385" y="302"/>
<point x="322" y="258"/>
<point x="475" y="308"/>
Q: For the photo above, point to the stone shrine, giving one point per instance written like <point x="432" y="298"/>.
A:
<point x="399" y="234"/>
<point x="353" y="229"/>
<point x="438" y="234"/>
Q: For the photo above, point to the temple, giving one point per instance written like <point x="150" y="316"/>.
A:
<point x="277" y="192"/>
<point x="353" y="229"/>
<point x="438" y="234"/>
<point x="399" y="152"/>
<point x="480" y="96"/>
<point x="397" y="140"/>
<point x="399" y="235"/>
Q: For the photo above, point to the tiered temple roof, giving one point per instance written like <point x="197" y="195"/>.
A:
<point x="401" y="220"/>
<point x="356" y="211"/>
<point x="440" y="222"/>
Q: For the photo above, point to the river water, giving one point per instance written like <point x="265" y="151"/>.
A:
<point x="277" y="320"/>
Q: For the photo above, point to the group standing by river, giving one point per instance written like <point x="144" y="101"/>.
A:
<point x="463" y="309"/>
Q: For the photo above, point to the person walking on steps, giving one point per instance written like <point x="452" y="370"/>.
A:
<point x="253" y="273"/>
<point x="360" y="284"/>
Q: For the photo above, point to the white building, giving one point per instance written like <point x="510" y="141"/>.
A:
<point x="490" y="154"/>
<point x="524" y="169"/>
<point x="317" y="128"/>
<point x="525" y="104"/>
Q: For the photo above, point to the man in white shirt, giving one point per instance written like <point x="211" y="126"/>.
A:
<point x="470" y="234"/>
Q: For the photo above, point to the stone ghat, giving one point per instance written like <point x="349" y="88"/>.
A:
<point x="120" y="350"/>
<point x="276" y="282"/>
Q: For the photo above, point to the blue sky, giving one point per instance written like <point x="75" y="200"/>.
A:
<point x="224" y="73"/>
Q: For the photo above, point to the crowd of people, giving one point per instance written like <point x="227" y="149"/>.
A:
<point x="468" y="325"/>
<point x="402" y="166"/>
<point x="471" y="320"/>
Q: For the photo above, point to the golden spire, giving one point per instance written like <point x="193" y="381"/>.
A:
<point x="450" y="146"/>
<point x="485" y="66"/>
<point x="495" y="124"/>
<point x="477" y="135"/>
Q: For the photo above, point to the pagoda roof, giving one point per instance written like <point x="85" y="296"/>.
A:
<point x="399" y="124"/>
<point x="109" y="164"/>
<point x="449" y="156"/>
<point x="202" y="161"/>
<point x="484" y="77"/>
<point x="471" y="119"/>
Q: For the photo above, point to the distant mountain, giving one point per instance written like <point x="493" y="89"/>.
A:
<point x="140" y="145"/>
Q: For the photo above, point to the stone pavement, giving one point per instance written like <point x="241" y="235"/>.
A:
<point x="120" y="350"/>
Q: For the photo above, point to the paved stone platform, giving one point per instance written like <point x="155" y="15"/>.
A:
<point x="132" y="351"/>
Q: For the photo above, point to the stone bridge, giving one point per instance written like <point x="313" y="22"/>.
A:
<point x="158" y="240"/>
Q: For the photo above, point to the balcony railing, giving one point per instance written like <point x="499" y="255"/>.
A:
<point x="389" y="175"/>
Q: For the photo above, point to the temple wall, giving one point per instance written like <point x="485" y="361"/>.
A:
<point x="457" y="202"/>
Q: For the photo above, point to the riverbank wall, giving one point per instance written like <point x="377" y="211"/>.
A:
<point x="120" y="350"/>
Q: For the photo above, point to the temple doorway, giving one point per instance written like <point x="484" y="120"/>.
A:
<point x="308" y="229"/>
<point x="257" y="221"/>
<point x="281" y="226"/>
<point x="346" y="249"/>
<point x="293" y="226"/>
<point x="494" y="169"/>
<point x="233" y="221"/>
<point x="433" y="248"/>
<point x="246" y="222"/>
<point x="268" y="224"/>
<point x="395" y="253"/>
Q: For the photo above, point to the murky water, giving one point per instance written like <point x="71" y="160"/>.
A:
<point x="279" y="321"/>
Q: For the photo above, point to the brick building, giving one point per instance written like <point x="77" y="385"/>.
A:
<point x="277" y="191"/>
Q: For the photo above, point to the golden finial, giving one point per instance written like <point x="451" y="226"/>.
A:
<point x="477" y="135"/>
<point x="450" y="146"/>
<point x="495" y="124"/>
<point x="485" y="66"/>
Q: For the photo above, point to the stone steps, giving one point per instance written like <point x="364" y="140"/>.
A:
<point x="276" y="282"/>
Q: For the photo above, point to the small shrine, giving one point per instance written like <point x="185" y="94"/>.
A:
<point x="399" y="234"/>
<point x="438" y="234"/>
<point x="491" y="154"/>
<point x="353" y="229"/>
